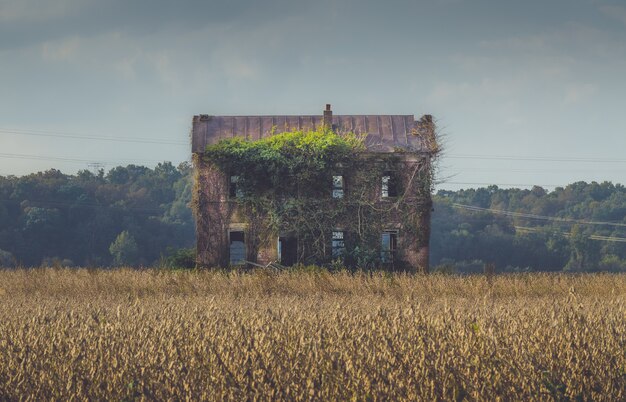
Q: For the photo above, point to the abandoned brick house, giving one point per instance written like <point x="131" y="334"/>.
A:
<point x="226" y="237"/>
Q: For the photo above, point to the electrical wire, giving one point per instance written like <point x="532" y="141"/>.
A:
<point x="538" y="217"/>
<point x="89" y="137"/>
<point x="565" y="234"/>
<point x="144" y="140"/>
<point x="522" y="170"/>
<point x="498" y="184"/>
<point x="537" y="158"/>
<point x="75" y="160"/>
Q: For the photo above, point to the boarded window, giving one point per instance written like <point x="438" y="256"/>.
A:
<point x="234" y="190"/>
<point x="338" y="187"/>
<point x="338" y="245"/>
<point x="237" y="248"/>
<point x="389" y="187"/>
<point x="389" y="241"/>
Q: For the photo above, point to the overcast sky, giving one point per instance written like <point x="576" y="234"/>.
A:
<point x="526" y="92"/>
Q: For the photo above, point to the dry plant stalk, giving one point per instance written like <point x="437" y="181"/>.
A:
<point x="122" y="335"/>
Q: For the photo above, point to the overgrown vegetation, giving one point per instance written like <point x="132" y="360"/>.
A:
<point x="182" y="258"/>
<point x="204" y="335"/>
<point x="284" y="186"/>
<point x="289" y="163"/>
<point x="463" y="240"/>
<point x="54" y="219"/>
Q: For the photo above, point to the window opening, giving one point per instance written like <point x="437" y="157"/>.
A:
<point x="389" y="242"/>
<point x="237" y="248"/>
<point x="389" y="186"/>
<point x="338" y="189"/>
<point x="234" y="190"/>
<point x="338" y="245"/>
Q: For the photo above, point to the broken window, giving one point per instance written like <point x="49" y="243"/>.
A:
<point x="389" y="243"/>
<point x="389" y="186"/>
<point x="234" y="190"/>
<point x="237" y="248"/>
<point x="337" y="186"/>
<point x="338" y="245"/>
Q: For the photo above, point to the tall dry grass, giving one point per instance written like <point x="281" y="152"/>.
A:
<point x="310" y="335"/>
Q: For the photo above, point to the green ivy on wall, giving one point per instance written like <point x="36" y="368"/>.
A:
<point x="284" y="186"/>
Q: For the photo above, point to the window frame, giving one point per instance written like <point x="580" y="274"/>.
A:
<point x="389" y="185"/>
<point x="338" y="243"/>
<point x="234" y="190"/>
<point x="388" y="255"/>
<point x="338" y="191"/>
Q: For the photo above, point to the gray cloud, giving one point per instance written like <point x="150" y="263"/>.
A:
<point x="498" y="75"/>
<point x="30" y="22"/>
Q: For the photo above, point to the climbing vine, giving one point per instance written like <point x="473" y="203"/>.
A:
<point x="263" y="166"/>
<point x="284" y="185"/>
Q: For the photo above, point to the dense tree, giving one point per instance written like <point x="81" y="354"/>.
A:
<point x="525" y="237"/>
<point x="124" y="250"/>
<point x="53" y="218"/>
<point x="49" y="216"/>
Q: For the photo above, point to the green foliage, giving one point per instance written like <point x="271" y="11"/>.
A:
<point x="54" y="216"/>
<point x="459" y="235"/>
<point x="264" y="165"/>
<point x="612" y="263"/>
<point x="76" y="217"/>
<point x="184" y="258"/>
<point x="285" y="180"/>
<point x="124" y="250"/>
<point x="585" y="252"/>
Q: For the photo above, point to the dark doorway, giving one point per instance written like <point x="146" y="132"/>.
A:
<point x="287" y="251"/>
<point x="237" y="248"/>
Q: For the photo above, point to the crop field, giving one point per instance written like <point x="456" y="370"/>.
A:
<point x="133" y="335"/>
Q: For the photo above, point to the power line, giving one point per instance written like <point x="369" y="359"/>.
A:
<point x="74" y="160"/>
<point x="41" y="133"/>
<point x="592" y="237"/>
<point x="498" y="184"/>
<point x="39" y="157"/>
<point x="64" y="134"/>
<point x="116" y="161"/>
<point x="534" y="216"/>
<point x="522" y="170"/>
<point x="95" y="167"/>
<point x="537" y="158"/>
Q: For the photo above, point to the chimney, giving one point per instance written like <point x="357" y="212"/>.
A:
<point x="328" y="117"/>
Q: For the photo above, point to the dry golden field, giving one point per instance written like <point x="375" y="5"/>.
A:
<point x="126" y="335"/>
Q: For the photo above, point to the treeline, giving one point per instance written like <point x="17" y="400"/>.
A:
<point x="130" y="215"/>
<point x="580" y="227"/>
<point x="135" y="215"/>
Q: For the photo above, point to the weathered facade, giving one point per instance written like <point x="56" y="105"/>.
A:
<point x="226" y="236"/>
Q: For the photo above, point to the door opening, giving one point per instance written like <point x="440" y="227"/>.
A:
<point x="287" y="251"/>
<point x="237" y="248"/>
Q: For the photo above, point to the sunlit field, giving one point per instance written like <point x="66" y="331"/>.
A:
<point x="126" y="334"/>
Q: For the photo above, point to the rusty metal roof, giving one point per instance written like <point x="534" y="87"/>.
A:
<point x="383" y="133"/>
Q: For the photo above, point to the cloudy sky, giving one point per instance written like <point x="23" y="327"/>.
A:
<point x="525" y="92"/>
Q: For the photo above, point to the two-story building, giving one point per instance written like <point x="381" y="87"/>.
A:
<point x="397" y="200"/>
